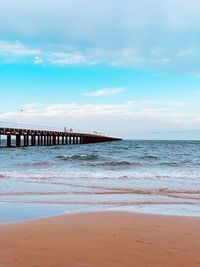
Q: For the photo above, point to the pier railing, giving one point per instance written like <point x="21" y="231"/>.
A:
<point x="29" y="127"/>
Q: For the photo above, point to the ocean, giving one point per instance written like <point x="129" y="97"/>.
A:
<point x="159" y="177"/>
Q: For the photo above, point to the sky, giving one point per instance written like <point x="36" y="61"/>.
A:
<point x="124" y="68"/>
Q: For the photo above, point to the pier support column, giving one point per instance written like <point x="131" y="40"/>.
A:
<point x="66" y="140"/>
<point x="54" y="140"/>
<point x="32" y="140"/>
<point x="25" y="140"/>
<point x="63" y="140"/>
<point x="9" y="140"/>
<point x="38" y="140"/>
<point x="48" y="140"/>
<point x="45" y="140"/>
<point x="18" y="140"/>
<point x="58" y="140"/>
<point x="86" y="140"/>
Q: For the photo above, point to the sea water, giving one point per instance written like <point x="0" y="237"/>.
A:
<point x="160" y="177"/>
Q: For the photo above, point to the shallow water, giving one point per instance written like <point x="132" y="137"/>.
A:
<point x="145" y="176"/>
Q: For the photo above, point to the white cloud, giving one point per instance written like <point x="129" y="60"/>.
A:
<point x="160" y="34"/>
<point x="16" y="48"/>
<point x="170" y="110"/>
<point x="16" y="51"/>
<point x="31" y="108"/>
<point x="38" y="60"/>
<point x="174" y="59"/>
<point x="105" y="92"/>
<point x="63" y="59"/>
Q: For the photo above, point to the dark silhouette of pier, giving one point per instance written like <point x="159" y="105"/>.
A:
<point x="30" y="135"/>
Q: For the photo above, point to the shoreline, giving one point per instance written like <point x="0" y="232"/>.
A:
<point x="111" y="238"/>
<point x="121" y="211"/>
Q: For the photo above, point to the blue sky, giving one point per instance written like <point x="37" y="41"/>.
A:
<point x="127" y="68"/>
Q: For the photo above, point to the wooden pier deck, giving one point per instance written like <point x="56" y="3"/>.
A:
<point x="34" y="136"/>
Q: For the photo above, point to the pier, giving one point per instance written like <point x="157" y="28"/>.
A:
<point x="28" y="135"/>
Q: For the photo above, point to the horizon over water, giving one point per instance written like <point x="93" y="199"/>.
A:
<point x="160" y="177"/>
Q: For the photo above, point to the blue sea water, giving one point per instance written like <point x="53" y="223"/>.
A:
<point x="161" y="177"/>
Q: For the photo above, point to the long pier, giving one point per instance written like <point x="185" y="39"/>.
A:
<point x="24" y="135"/>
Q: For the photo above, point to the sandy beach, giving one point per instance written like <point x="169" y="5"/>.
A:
<point x="102" y="239"/>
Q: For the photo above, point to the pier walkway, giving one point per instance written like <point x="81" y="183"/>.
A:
<point x="29" y="135"/>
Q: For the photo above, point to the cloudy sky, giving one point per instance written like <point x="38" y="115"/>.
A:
<point x="128" y="68"/>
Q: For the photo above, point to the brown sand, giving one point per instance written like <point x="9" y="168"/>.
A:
<point x="102" y="239"/>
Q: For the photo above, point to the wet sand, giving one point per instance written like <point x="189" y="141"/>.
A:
<point x="102" y="239"/>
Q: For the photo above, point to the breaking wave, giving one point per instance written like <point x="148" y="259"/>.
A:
<point x="34" y="164"/>
<point x="78" y="157"/>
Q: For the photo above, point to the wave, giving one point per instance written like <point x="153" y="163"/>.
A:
<point x="116" y="203"/>
<point x="187" y="176"/>
<point x="171" y="164"/>
<point x="34" y="164"/>
<point x="103" y="190"/>
<point x="78" y="157"/>
<point x="117" y="164"/>
<point x="149" y="157"/>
